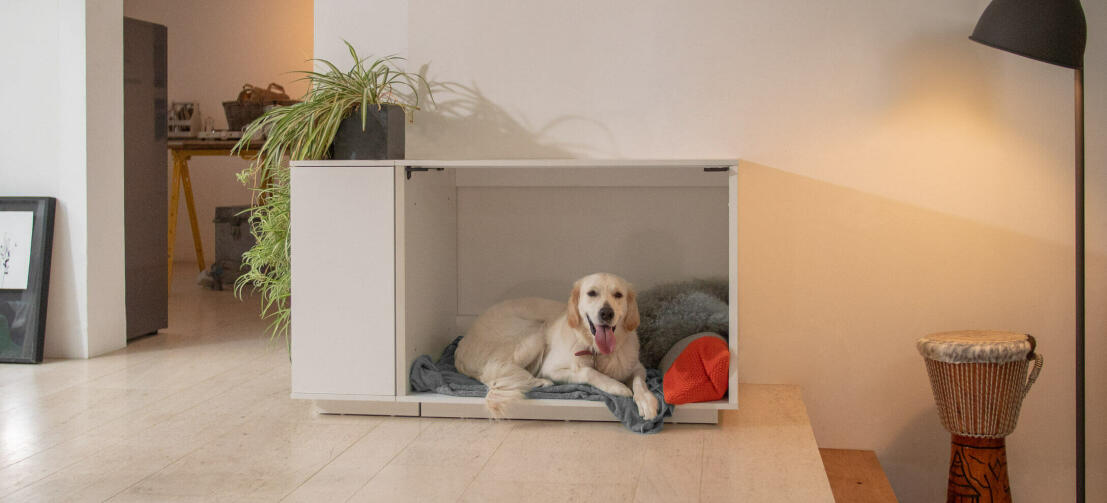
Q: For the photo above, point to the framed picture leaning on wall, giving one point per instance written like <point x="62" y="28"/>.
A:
<point x="26" y="243"/>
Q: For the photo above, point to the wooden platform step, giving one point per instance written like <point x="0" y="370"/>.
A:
<point x="856" y="476"/>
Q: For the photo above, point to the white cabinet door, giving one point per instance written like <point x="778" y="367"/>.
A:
<point x="343" y="282"/>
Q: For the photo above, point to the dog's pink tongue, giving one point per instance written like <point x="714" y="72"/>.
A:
<point x="605" y="339"/>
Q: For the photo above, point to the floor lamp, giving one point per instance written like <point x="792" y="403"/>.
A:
<point x="1053" y="31"/>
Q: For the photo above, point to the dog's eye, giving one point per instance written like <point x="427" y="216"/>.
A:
<point x="592" y="293"/>
<point x="618" y="295"/>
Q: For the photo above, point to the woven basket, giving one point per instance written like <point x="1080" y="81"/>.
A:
<point x="251" y="104"/>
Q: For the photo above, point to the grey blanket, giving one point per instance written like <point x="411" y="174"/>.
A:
<point x="443" y="377"/>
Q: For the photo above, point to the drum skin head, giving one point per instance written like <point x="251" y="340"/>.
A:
<point x="976" y="346"/>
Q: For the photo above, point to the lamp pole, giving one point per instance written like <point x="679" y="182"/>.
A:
<point x="1079" y="244"/>
<point x="1055" y="32"/>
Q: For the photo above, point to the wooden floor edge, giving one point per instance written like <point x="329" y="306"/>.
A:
<point x="856" y="476"/>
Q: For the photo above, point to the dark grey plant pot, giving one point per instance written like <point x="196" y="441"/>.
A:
<point x="383" y="137"/>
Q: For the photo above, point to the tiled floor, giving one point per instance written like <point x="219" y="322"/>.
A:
<point x="201" y="412"/>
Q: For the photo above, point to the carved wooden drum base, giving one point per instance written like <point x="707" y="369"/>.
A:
<point x="978" y="471"/>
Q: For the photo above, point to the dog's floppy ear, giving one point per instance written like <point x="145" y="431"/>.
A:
<point x="574" y="311"/>
<point x="631" y="321"/>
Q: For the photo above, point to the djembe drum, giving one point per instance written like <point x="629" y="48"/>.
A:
<point x="979" y="380"/>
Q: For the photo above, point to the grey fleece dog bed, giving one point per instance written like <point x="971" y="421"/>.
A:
<point x="443" y="377"/>
<point x="673" y="311"/>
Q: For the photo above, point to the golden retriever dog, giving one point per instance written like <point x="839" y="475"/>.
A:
<point x="521" y="344"/>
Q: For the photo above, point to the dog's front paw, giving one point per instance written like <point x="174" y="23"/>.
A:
<point x="540" y="382"/>
<point x="647" y="405"/>
<point x="617" y="389"/>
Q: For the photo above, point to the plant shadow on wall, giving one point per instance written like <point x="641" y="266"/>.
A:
<point x="465" y="124"/>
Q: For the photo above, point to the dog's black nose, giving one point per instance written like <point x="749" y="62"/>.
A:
<point x="606" y="313"/>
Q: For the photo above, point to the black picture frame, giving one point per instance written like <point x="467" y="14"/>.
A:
<point x="23" y="311"/>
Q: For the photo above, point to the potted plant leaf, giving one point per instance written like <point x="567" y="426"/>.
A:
<point x="355" y="114"/>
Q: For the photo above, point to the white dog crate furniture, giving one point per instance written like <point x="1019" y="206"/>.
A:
<point x="394" y="259"/>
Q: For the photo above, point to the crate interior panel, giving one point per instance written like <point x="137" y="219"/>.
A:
<point x="427" y="263"/>
<point x="535" y="241"/>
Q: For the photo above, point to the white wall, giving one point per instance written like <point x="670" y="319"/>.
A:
<point x="372" y="27"/>
<point x="63" y="138"/>
<point x="107" y="320"/>
<point x="214" y="48"/>
<point x="903" y="180"/>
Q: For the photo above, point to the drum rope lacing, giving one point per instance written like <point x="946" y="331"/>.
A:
<point x="959" y="386"/>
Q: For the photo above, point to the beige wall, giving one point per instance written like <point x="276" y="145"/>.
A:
<point x="836" y="284"/>
<point x="902" y="180"/>
<point x="215" y="47"/>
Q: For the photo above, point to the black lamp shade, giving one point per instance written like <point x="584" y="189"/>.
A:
<point x="1053" y="31"/>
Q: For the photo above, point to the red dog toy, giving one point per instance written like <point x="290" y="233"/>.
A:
<point x="700" y="373"/>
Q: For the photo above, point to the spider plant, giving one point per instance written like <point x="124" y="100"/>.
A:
<point x="303" y="131"/>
